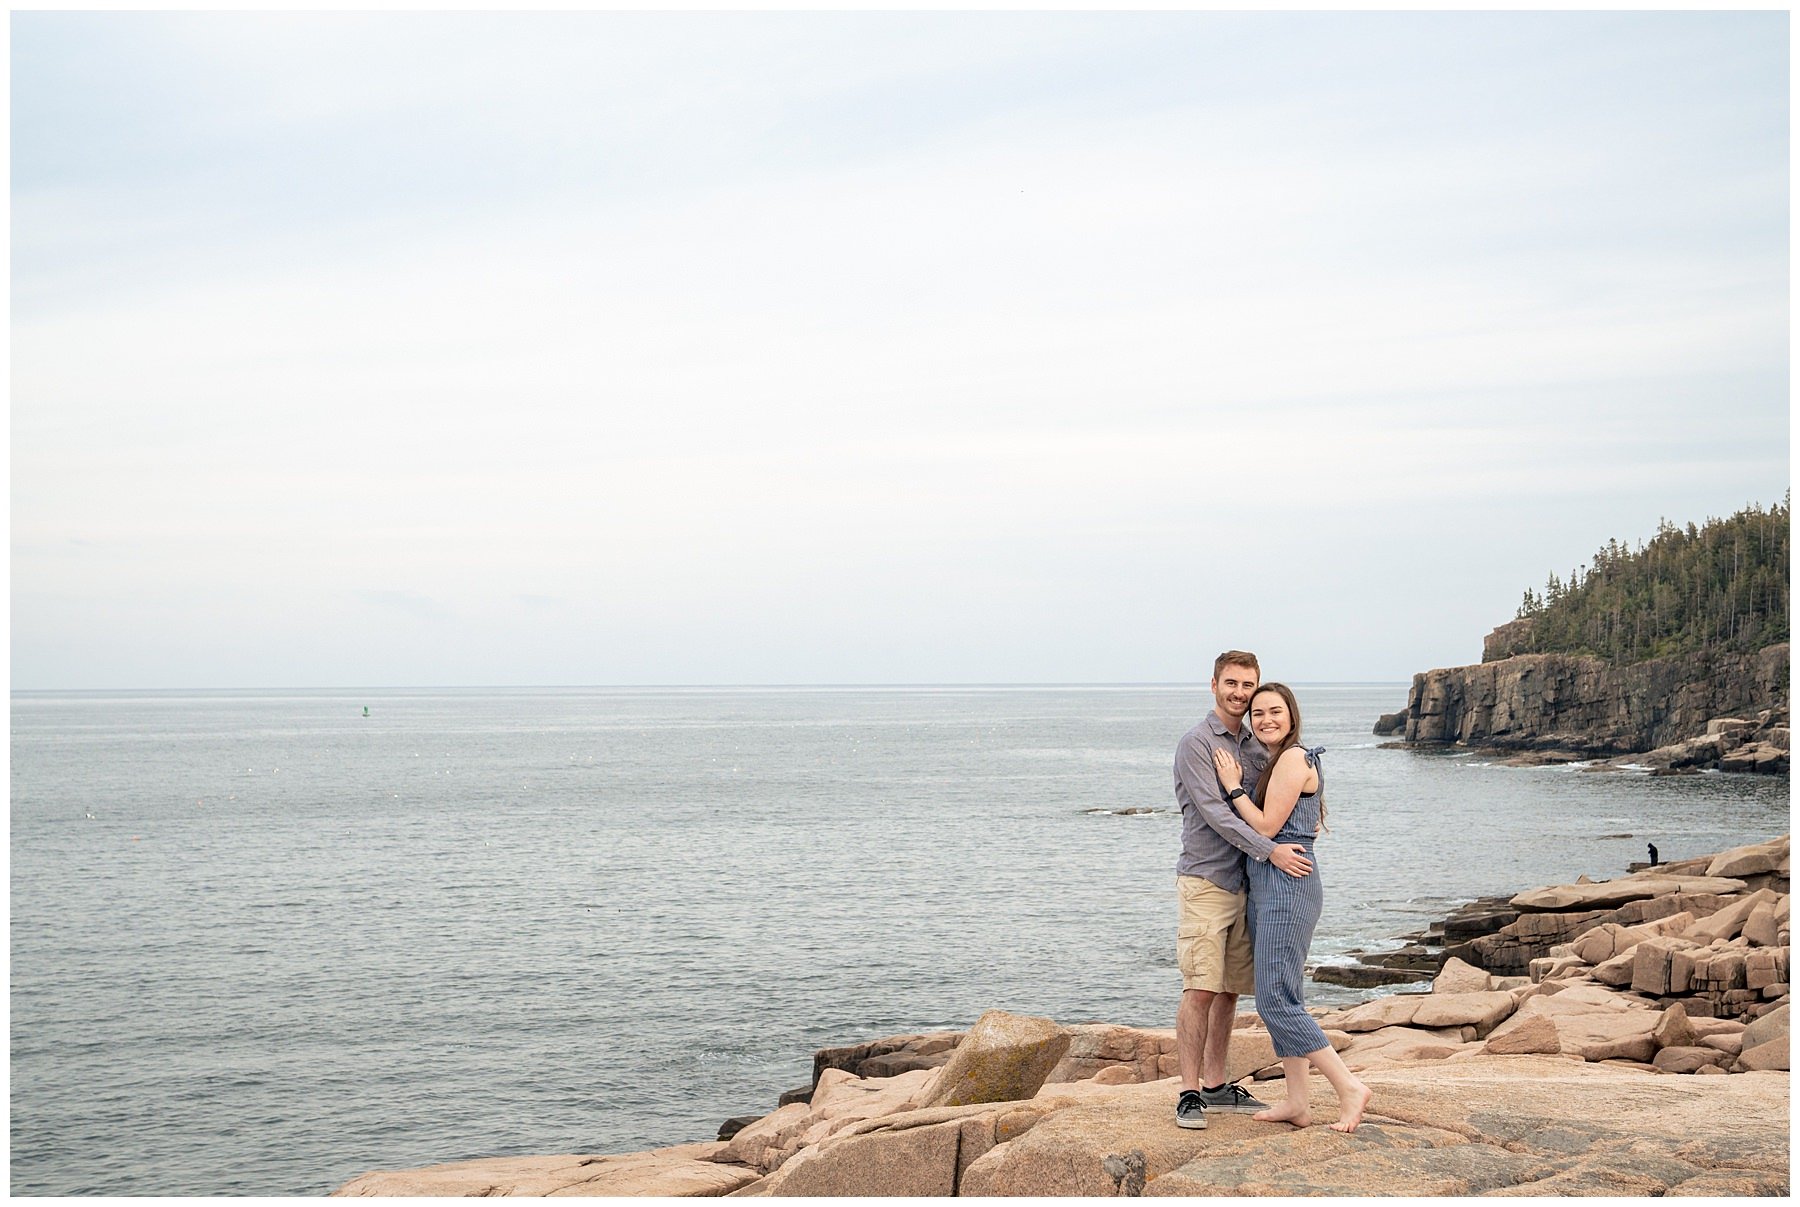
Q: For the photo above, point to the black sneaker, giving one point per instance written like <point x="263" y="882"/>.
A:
<point x="1232" y="1098"/>
<point x="1190" y="1110"/>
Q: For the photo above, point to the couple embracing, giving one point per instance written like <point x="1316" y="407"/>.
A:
<point x="1252" y="800"/>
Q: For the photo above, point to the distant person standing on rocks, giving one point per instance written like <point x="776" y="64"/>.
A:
<point x="1213" y="942"/>
<point x="1289" y="806"/>
<point x="1652" y="854"/>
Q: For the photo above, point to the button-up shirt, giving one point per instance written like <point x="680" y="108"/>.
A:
<point x="1214" y="840"/>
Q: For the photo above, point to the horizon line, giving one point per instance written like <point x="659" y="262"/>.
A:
<point x="1201" y="684"/>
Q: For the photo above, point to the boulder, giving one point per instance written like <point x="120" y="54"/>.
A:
<point x="1511" y="949"/>
<point x="1483" y="1011"/>
<point x="1684" y="1059"/>
<point x="891" y="1064"/>
<point x="1599" y="944"/>
<point x="1765" y="966"/>
<point x="914" y="1153"/>
<point x="1250" y="1051"/>
<point x="1768" y="1026"/>
<point x="1673" y="1030"/>
<point x="760" y="1145"/>
<point x="1581" y="998"/>
<point x="915" y="1162"/>
<point x="1365" y="976"/>
<point x="840" y="1101"/>
<point x="1400" y="1045"/>
<point x="1639" y="1049"/>
<point x="1704" y="1027"/>
<point x="1547" y="968"/>
<point x="1458" y="976"/>
<point x="1651" y="960"/>
<point x="1580" y="1019"/>
<point x="894" y="1054"/>
<point x="1391" y="1011"/>
<point x="1762" y="927"/>
<point x="1536" y="1033"/>
<point x="1616" y="971"/>
<point x="1003" y="1057"/>
<point x="1763" y="757"/>
<point x="1719" y="970"/>
<point x="1727" y="922"/>
<point x="1477" y="918"/>
<point x="736" y="1124"/>
<point x="1649" y="909"/>
<point x="1730" y="1045"/>
<point x="1606" y="894"/>
<point x="1764" y="1056"/>
<point x="1609" y="939"/>
<point x="1105" y="1047"/>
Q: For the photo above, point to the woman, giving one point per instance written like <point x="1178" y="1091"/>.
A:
<point x="1289" y="807"/>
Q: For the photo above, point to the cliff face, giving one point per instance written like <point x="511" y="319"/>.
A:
<point x="1513" y="637"/>
<point x="1563" y="701"/>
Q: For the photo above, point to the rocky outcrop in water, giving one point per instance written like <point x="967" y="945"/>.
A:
<point x="1564" y="702"/>
<point x="1709" y="933"/>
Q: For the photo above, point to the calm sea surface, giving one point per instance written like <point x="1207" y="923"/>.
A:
<point x="262" y="943"/>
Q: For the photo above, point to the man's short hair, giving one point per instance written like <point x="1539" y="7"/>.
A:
<point x="1236" y="658"/>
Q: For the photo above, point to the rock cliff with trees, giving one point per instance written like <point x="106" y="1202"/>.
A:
<point x="1676" y="651"/>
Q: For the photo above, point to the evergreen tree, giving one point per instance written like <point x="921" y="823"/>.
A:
<point x="1723" y="585"/>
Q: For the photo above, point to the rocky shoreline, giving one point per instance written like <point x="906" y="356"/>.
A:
<point x="1715" y="711"/>
<point x="1622" y="1037"/>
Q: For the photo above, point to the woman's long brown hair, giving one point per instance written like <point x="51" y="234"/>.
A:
<point x="1291" y="739"/>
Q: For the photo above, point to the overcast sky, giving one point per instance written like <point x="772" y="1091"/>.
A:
<point x="842" y="348"/>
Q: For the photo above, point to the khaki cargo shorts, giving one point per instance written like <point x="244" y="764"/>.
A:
<point x="1213" y="943"/>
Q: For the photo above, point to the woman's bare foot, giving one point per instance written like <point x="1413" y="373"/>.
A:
<point x="1350" y="1110"/>
<point x="1286" y="1112"/>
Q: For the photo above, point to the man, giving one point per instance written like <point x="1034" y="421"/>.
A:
<point x="1214" y="940"/>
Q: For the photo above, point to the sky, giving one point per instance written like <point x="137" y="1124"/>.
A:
<point x="737" y="348"/>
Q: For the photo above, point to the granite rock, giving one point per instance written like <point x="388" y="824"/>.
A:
<point x="680" y="1171"/>
<point x="1769" y="1026"/>
<point x="1771" y="856"/>
<point x="1607" y="894"/>
<point x="1482" y="1125"/>
<point x="1673" y="1030"/>
<point x="1002" y="1058"/>
<point x="1458" y="976"/>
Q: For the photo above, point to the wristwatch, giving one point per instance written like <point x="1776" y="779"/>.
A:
<point x="1235" y="793"/>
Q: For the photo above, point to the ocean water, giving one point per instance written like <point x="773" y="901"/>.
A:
<point x="262" y="943"/>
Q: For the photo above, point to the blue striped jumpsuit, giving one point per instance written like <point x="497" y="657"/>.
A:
<point x="1282" y="912"/>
